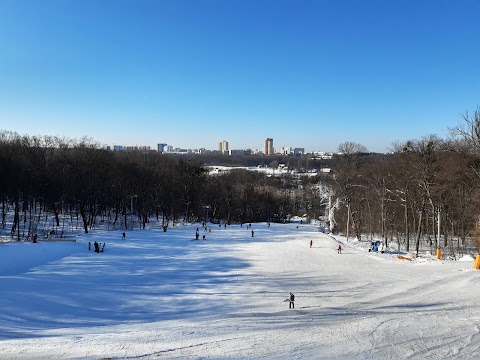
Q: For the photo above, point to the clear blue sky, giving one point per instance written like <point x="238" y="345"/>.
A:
<point x="308" y="74"/>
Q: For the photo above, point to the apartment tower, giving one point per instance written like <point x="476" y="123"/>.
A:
<point x="223" y="147"/>
<point x="268" y="147"/>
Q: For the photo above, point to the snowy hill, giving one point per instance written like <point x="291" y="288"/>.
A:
<point x="164" y="295"/>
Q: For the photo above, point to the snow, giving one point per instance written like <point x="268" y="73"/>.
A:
<point x="467" y="257"/>
<point x="163" y="295"/>
<point x="281" y="170"/>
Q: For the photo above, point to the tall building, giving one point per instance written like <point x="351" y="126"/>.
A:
<point x="161" y="147"/>
<point x="268" y="147"/>
<point x="223" y="147"/>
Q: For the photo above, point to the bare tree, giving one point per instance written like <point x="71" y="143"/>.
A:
<point x="469" y="130"/>
<point x="347" y="166"/>
<point x="476" y="235"/>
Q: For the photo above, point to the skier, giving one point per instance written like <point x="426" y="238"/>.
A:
<point x="291" y="301"/>
<point x="311" y="243"/>
<point x="339" y="249"/>
<point x="123" y="235"/>
<point x="252" y="233"/>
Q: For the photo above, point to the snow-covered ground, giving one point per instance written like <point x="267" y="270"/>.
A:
<point x="162" y="295"/>
<point x="281" y="170"/>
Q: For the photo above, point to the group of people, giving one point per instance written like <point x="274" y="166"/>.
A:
<point x="207" y="228"/>
<point x="96" y="247"/>
<point x="197" y="235"/>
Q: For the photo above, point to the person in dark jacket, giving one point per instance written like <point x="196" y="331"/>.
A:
<point x="291" y="301"/>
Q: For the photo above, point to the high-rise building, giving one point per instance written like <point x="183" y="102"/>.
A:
<point x="268" y="147"/>
<point x="223" y="147"/>
<point x="161" y="147"/>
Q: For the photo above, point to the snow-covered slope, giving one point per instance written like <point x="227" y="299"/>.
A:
<point x="165" y="295"/>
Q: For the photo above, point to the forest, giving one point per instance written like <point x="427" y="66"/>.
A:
<point x="424" y="194"/>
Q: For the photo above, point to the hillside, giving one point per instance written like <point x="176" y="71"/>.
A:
<point x="164" y="295"/>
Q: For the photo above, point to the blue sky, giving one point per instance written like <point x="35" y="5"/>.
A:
<point x="308" y="74"/>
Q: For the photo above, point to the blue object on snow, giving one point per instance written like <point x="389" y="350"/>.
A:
<point x="375" y="245"/>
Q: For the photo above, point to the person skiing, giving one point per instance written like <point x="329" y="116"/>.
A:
<point x="339" y="249"/>
<point x="291" y="302"/>
<point x="311" y="243"/>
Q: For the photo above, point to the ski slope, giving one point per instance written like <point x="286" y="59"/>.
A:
<point x="163" y="295"/>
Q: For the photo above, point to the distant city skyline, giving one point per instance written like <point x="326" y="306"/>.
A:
<point x="267" y="148"/>
<point x="222" y="148"/>
<point x="311" y="73"/>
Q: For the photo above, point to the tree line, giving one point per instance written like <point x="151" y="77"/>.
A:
<point x="422" y="194"/>
<point x="79" y="179"/>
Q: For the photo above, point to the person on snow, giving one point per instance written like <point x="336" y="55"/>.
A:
<point x="291" y="301"/>
<point x="311" y="243"/>
<point x="339" y="249"/>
